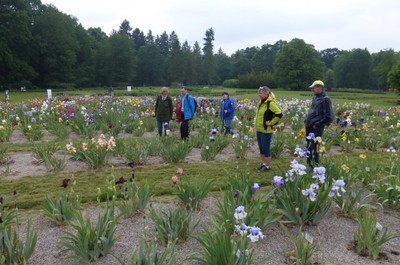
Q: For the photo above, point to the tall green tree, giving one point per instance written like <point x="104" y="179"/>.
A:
<point x="223" y="67"/>
<point x="353" y="69"/>
<point x="209" y="60"/>
<point x="84" y="71"/>
<point x="240" y="64"/>
<point x="328" y="56"/>
<point x="394" y="77"/>
<point x="139" y="38"/>
<point x="163" y="43"/>
<point x="197" y="64"/>
<point x="55" y="46"/>
<point x="150" y="66"/>
<point x="16" y="19"/>
<point x="297" y="65"/>
<point x="382" y="63"/>
<point x="187" y="64"/>
<point x="125" y="28"/>
<point x="116" y="60"/>
<point x="263" y="60"/>
<point x="174" y="60"/>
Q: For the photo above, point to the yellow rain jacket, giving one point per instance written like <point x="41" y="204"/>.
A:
<point x="267" y="111"/>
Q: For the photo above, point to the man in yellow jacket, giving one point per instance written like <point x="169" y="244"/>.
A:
<point x="268" y="115"/>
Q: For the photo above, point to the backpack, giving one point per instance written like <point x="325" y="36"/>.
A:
<point x="195" y="105"/>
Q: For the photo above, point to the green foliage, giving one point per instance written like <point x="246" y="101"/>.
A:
<point x="59" y="129"/>
<point x="6" y="130"/>
<point x="388" y="190"/>
<point x="90" y="242"/>
<point x="4" y="153"/>
<point x="95" y="152"/>
<point x="33" y="132"/>
<point x="219" y="246"/>
<point x="148" y="253"/>
<point x="304" y="249"/>
<point x="370" y="235"/>
<point x="12" y="249"/>
<point x="354" y="201"/>
<point x="63" y="209"/>
<point x="134" y="198"/>
<point x="173" y="152"/>
<point x="192" y="195"/>
<point x="298" y="208"/>
<point x="394" y="77"/>
<point x="46" y="153"/>
<point x="297" y="64"/>
<point x="353" y="69"/>
<point x="231" y="83"/>
<point x="255" y="80"/>
<point x="211" y="149"/>
<point x="132" y="151"/>
<point x="174" y="225"/>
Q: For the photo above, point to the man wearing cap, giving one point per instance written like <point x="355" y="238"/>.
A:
<point x="319" y="116"/>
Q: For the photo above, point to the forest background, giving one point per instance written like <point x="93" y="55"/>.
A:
<point x="42" y="47"/>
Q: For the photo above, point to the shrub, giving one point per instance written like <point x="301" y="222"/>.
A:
<point x="231" y="83"/>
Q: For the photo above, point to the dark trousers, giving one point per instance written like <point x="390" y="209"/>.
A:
<point x="185" y="129"/>
<point x="312" y="146"/>
<point x="161" y="126"/>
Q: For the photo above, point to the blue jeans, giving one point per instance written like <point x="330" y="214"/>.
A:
<point x="160" y="126"/>
<point x="264" y="143"/>
<point x="226" y="126"/>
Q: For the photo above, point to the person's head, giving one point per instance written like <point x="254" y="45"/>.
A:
<point x="183" y="90"/>
<point x="264" y="92"/>
<point x="225" y="95"/>
<point x="164" y="91"/>
<point x="178" y="99"/>
<point x="317" y="87"/>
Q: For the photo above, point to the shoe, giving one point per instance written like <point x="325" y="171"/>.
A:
<point x="260" y="167"/>
<point x="264" y="169"/>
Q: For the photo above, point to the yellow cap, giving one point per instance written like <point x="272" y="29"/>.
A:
<point x="317" y="83"/>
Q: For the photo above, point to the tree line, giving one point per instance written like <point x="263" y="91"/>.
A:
<point x="41" y="46"/>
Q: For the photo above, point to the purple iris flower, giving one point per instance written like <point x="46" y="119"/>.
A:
<point x="278" y="181"/>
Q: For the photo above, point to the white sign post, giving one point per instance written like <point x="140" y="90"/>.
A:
<point x="49" y="94"/>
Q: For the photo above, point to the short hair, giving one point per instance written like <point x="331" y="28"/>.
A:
<point x="184" y="87"/>
<point x="225" y="93"/>
<point x="164" y="89"/>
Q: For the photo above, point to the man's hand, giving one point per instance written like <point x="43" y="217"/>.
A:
<point x="315" y="126"/>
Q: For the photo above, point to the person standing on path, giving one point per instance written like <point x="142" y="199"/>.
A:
<point x="268" y="114"/>
<point x="187" y="112"/>
<point x="226" y="113"/>
<point x="163" y="110"/>
<point x="319" y="116"/>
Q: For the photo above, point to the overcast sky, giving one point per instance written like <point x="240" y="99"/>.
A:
<point x="237" y="24"/>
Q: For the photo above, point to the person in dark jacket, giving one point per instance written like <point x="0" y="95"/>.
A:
<point x="319" y="116"/>
<point x="163" y="111"/>
<point x="226" y="113"/>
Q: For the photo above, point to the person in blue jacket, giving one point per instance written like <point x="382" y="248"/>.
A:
<point x="187" y="112"/>
<point x="227" y="112"/>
